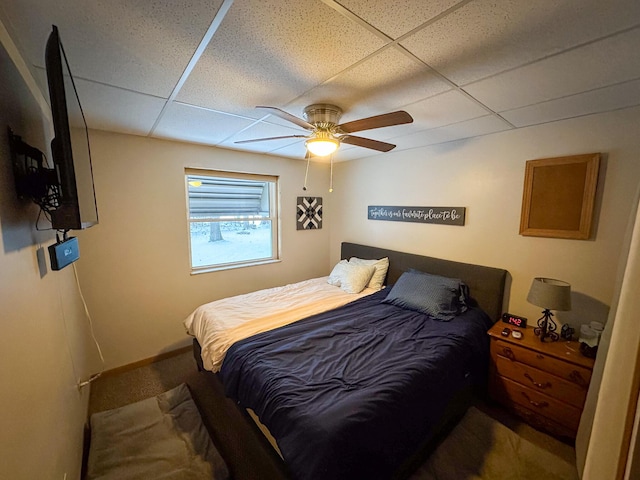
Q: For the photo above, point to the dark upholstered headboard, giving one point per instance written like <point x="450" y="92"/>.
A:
<point x="486" y="284"/>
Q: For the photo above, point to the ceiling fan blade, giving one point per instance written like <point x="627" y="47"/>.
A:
<point x="379" y="121"/>
<point x="287" y="116"/>
<point x="270" y="138"/>
<point x="367" y="143"/>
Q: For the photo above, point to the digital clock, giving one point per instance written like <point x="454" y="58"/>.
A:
<point x="514" y="320"/>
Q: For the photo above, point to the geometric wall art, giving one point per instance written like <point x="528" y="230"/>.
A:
<point x="309" y="213"/>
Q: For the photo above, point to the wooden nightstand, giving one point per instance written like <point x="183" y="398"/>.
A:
<point x="545" y="383"/>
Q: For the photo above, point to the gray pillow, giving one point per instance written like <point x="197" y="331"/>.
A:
<point x="441" y="298"/>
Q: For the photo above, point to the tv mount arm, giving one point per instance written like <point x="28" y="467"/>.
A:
<point x="33" y="179"/>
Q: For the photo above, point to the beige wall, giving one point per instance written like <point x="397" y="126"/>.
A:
<point x="135" y="264"/>
<point x="604" y="436"/>
<point x="486" y="176"/>
<point x="44" y="343"/>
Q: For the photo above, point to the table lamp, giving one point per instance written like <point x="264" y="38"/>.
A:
<point x="549" y="294"/>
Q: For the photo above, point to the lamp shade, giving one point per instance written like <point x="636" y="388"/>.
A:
<point x="550" y="294"/>
<point x="322" y="144"/>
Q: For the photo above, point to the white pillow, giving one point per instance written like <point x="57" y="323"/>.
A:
<point x="381" y="267"/>
<point x="336" y="273"/>
<point x="351" y="278"/>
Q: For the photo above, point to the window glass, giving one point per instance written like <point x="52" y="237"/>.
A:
<point x="232" y="219"/>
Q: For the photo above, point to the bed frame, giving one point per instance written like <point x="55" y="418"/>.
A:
<point x="487" y="288"/>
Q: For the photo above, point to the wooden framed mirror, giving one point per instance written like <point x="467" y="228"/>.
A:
<point x="559" y="195"/>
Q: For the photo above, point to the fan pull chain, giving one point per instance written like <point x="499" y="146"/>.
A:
<point x="331" y="174"/>
<point x="307" y="157"/>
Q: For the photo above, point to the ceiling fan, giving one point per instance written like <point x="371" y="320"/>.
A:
<point x="321" y="119"/>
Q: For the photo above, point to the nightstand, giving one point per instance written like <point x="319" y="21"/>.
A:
<point x="545" y="383"/>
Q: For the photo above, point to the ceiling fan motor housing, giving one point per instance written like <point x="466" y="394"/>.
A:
<point x="322" y="114"/>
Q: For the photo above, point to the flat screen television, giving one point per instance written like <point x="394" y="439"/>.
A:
<point x="77" y="208"/>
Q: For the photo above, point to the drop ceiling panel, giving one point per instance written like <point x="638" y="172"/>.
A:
<point x="272" y="147"/>
<point x="116" y="110"/>
<point x="264" y="130"/>
<point x="258" y="114"/>
<point x="446" y="108"/>
<point x="353" y="153"/>
<point x="470" y="128"/>
<point x="184" y="122"/>
<point x="384" y="82"/>
<point x="600" y="100"/>
<point x="109" y="108"/>
<point x="295" y="149"/>
<point x="592" y="66"/>
<point x="141" y="46"/>
<point x="389" y="134"/>
<point x="398" y="17"/>
<point x="271" y="55"/>
<point x="486" y="37"/>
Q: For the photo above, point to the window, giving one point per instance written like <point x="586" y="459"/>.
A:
<point x="233" y="219"/>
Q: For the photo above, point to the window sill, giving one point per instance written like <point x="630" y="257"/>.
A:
<point x="199" y="270"/>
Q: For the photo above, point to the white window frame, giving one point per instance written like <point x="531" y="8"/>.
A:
<point x="273" y="217"/>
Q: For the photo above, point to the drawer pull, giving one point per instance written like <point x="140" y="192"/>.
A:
<point x="575" y="377"/>
<point x="508" y="353"/>
<point x="534" y="403"/>
<point x="539" y="385"/>
<point x="540" y="356"/>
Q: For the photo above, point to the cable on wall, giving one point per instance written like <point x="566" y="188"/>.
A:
<point x="95" y="376"/>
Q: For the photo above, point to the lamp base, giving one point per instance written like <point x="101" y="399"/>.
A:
<point x="546" y="328"/>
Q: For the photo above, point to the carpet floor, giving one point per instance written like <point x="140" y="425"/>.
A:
<point x="487" y="444"/>
<point x="481" y="448"/>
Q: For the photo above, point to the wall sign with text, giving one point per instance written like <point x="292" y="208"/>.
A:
<point x="439" y="215"/>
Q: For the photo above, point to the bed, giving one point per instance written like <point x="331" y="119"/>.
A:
<point x="364" y="390"/>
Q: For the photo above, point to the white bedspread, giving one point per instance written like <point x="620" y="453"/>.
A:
<point x="218" y="325"/>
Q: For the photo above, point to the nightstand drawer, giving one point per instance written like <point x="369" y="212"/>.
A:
<point x="543" y="382"/>
<point x="573" y="373"/>
<point x="543" y="423"/>
<point x="540" y="403"/>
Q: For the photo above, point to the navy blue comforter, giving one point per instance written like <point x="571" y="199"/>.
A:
<point x="351" y="393"/>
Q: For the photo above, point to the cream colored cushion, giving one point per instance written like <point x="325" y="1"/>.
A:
<point x="381" y="266"/>
<point x="350" y="277"/>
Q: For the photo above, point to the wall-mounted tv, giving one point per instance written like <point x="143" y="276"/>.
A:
<point x="77" y="207"/>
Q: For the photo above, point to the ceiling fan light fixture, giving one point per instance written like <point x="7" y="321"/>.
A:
<point x="322" y="144"/>
<point x="326" y="134"/>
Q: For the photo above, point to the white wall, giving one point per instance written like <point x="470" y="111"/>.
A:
<point x="486" y="176"/>
<point x="134" y="265"/>
<point x="44" y="343"/>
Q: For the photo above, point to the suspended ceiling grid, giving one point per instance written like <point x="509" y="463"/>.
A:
<point x="194" y="70"/>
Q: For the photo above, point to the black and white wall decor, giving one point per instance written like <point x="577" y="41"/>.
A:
<point x="439" y="215"/>
<point x="309" y="213"/>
